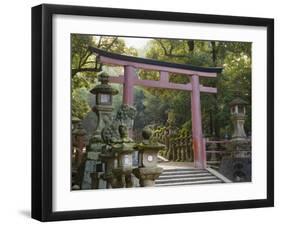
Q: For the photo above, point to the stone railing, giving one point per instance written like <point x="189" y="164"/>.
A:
<point x="217" y="149"/>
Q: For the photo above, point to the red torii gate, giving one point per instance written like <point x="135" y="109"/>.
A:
<point x="129" y="80"/>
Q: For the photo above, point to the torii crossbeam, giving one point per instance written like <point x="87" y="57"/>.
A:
<point x="129" y="80"/>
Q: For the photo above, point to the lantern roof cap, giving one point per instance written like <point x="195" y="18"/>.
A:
<point x="104" y="87"/>
<point x="238" y="101"/>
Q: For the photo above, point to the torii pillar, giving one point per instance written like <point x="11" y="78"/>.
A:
<point x="197" y="135"/>
<point x="128" y="89"/>
<point x="128" y="85"/>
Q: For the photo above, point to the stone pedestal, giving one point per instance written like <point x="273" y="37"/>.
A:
<point x="110" y="161"/>
<point x="236" y="165"/>
<point x="239" y="148"/>
<point x="93" y="163"/>
<point x="147" y="176"/>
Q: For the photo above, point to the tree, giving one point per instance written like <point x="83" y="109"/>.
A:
<point x="234" y="57"/>
<point x="153" y="104"/>
<point x="84" y="66"/>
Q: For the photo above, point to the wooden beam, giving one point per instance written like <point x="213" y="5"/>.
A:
<point x="162" y="84"/>
<point x="111" y="61"/>
<point x="158" y="84"/>
<point x="206" y="89"/>
<point x="115" y="79"/>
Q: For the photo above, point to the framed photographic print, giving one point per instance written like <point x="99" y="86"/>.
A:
<point x="146" y="112"/>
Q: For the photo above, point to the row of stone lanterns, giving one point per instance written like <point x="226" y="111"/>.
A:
<point x="111" y="144"/>
<point x="118" y="158"/>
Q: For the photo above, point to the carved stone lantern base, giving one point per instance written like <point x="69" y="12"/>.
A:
<point x="110" y="161"/>
<point x="239" y="148"/>
<point x="122" y="178"/>
<point x="147" y="176"/>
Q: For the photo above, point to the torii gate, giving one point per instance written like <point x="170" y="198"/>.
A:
<point x="129" y="80"/>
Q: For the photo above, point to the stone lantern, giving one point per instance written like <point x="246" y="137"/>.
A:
<point x="103" y="91"/>
<point x="236" y="165"/>
<point x="124" y="152"/>
<point x="117" y="150"/>
<point x="148" y="171"/>
<point x="118" y="158"/>
<point x="238" y="116"/>
<point x="103" y="108"/>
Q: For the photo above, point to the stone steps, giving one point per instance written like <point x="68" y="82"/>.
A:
<point x="186" y="176"/>
<point x="183" y="173"/>
<point x="190" y="183"/>
<point x="183" y="170"/>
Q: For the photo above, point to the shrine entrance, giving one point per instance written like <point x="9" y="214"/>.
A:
<point x="130" y="79"/>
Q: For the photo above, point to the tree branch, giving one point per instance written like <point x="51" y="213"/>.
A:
<point x="163" y="47"/>
<point x="84" y="60"/>
<point x="111" y="44"/>
<point x="169" y="53"/>
<point x="75" y="71"/>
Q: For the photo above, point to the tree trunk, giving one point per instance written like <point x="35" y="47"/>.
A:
<point x="215" y="119"/>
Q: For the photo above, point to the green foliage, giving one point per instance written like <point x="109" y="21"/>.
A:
<point x="79" y="103"/>
<point x="234" y="57"/>
<point x="153" y="105"/>
<point x="85" y="66"/>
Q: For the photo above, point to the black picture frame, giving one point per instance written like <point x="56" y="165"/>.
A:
<point x="42" y="111"/>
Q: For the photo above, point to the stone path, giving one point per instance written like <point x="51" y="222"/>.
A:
<point x="184" y="173"/>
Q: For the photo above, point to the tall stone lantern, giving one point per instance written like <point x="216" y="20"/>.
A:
<point x="238" y="116"/>
<point x="236" y="165"/>
<point x="148" y="171"/>
<point x="103" y="108"/>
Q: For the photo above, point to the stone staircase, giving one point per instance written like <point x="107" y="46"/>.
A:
<point x="189" y="176"/>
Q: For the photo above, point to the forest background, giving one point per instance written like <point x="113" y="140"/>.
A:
<point x="155" y="105"/>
